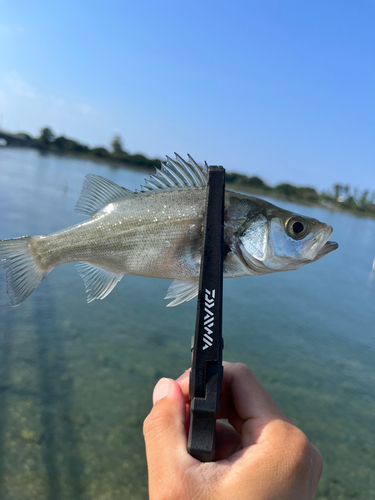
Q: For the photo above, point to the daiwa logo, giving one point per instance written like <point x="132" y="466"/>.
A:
<point x="209" y="318"/>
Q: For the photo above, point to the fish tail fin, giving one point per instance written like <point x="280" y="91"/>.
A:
<point x="23" y="274"/>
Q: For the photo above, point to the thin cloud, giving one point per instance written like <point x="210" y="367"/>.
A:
<point x="10" y="29"/>
<point x="2" y="98"/>
<point x="15" y="85"/>
<point x="68" y="106"/>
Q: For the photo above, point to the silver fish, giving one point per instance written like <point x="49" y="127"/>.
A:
<point x="157" y="232"/>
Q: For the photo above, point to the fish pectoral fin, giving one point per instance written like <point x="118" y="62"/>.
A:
<point x="98" y="282"/>
<point x="181" y="291"/>
<point x="97" y="192"/>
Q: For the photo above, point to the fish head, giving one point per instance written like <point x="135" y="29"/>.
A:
<point x="271" y="239"/>
<point x="295" y="240"/>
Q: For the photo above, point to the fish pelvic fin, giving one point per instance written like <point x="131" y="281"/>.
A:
<point x="98" y="192"/>
<point x="98" y="282"/>
<point x="23" y="274"/>
<point x="181" y="291"/>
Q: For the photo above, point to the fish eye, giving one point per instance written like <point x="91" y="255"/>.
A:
<point x="296" y="228"/>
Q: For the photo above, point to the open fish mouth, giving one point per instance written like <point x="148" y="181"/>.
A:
<point x="327" y="248"/>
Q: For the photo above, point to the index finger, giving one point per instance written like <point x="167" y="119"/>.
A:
<point x="242" y="397"/>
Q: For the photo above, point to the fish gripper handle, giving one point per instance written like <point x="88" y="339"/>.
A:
<point x="206" y="374"/>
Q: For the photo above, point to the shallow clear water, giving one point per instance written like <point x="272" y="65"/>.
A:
<point x="76" y="379"/>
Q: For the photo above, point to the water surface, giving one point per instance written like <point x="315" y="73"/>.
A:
<point x="76" y="379"/>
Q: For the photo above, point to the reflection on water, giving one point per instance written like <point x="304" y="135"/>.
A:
<point x="76" y="379"/>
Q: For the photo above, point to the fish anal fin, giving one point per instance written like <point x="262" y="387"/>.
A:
<point x="181" y="291"/>
<point x="98" y="282"/>
<point x="98" y="192"/>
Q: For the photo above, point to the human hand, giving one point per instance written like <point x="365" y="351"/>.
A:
<point x="261" y="455"/>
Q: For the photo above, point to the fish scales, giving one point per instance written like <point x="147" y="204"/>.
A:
<point x="145" y="235"/>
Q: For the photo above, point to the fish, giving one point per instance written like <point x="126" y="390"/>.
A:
<point x="157" y="231"/>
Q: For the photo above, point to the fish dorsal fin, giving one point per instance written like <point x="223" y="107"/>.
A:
<point x="176" y="174"/>
<point x="97" y="192"/>
<point x="98" y="282"/>
<point x="181" y="291"/>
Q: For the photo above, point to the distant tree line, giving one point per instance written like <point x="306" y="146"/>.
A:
<point x="284" y="189"/>
<point x="47" y="141"/>
<point x="340" y="196"/>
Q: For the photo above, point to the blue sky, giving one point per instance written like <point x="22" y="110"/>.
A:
<point x="281" y="89"/>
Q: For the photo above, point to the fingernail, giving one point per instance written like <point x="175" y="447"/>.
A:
<point x="162" y="389"/>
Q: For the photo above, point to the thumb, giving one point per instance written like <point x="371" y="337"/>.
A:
<point x="164" y="433"/>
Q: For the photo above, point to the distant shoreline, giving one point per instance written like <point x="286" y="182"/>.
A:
<point x="230" y="185"/>
<point x="276" y="196"/>
<point x="341" y="199"/>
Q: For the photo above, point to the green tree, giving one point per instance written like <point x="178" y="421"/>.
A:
<point x="101" y="152"/>
<point x="243" y="180"/>
<point x="63" y="144"/>
<point x="287" y="190"/>
<point x="46" y="137"/>
<point x="117" y="145"/>
<point x="308" y="194"/>
<point x="257" y="183"/>
<point x="23" y="135"/>
<point x="337" y="188"/>
<point x="364" y="199"/>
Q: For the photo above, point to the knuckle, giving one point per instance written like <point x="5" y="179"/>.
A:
<point x="242" y="369"/>
<point x="151" y="423"/>
<point x="155" y="423"/>
<point x="317" y="460"/>
<point x="147" y="424"/>
<point x="301" y="444"/>
<point x="300" y="453"/>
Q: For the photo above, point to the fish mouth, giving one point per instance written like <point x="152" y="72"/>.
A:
<point x="327" y="248"/>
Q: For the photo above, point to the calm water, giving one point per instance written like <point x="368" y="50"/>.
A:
<point x="76" y="379"/>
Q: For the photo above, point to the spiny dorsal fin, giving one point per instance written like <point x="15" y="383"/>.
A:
<point x="181" y="291"/>
<point x="97" y="192"/>
<point x="176" y="174"/>
<point x="98" y="282"/>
